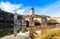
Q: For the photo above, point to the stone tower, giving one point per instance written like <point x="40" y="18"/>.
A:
<point x="15" y="24"/>
<point x="32" y="11"/>
<point x="31" y="19"/>
<point x="31" y="23"/>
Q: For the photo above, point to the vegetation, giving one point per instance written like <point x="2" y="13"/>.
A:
<point x="51" y="26"/>
<point x="5" y="32"/>
<point x="52" y="21"/>
<point x="36" y="16"/>
<point x="51" y="34"/>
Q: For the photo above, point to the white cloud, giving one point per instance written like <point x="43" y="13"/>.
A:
<point x="20" y="11"/>
<point x="14" y="8"/>
<point x="9" y="7"/>
<point x="51" y="9"/>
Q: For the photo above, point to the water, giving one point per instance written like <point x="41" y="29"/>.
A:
<point x="24" y="35"/>
<point x="38" y="31"/>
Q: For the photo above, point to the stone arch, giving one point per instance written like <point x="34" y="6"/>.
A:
<point x="52" y="21"/>
<point x="27" y="23"/>
<point x="37" y="23"/>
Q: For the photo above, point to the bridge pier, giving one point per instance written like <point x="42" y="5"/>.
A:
<point x="43" y="25"/>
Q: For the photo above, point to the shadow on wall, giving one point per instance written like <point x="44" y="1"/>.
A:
<point x="36" y="22"/>
<point x="27" y="23"/>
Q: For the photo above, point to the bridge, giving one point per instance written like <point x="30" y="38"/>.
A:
<point x="39" y="19"/>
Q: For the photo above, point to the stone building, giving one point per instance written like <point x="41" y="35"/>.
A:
<point x="15" y="24"/>
<point x="31" y="23"/>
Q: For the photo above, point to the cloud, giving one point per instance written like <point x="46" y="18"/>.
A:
<point x="14" y="8"/>
<point x="52" y="10"/>
<point x="9" y="7"/>
<point x="20" y="11"/>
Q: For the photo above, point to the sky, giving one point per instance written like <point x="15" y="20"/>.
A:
<point x="22" y="7"/>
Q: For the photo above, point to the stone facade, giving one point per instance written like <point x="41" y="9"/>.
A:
<point x="23" y="25"/>
<point x="31" y="23"/>
<point x="43" y="22"/>
<point x="43" y="25"/>
<point x="15" y="24"/>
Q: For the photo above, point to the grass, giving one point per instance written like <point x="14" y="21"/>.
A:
<point x="51" y="34"/>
